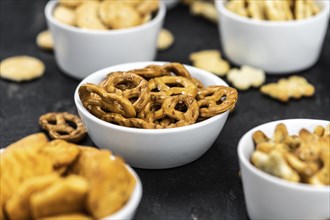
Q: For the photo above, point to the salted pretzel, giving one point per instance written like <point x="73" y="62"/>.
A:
<point x="118" y="119"/>
<point x="178" y="69"/>
<point x="151" y="71"/>
<point x="91" y="95"/>
<point x="63" y="125"/>
<point x="129" y="85"/>
<point x="169" y="112"/>
<point x="164" y="86"/>
<point x="214" y="100"/>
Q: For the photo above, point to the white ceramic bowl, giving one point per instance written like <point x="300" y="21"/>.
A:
<point x="269" y="197"/>
<point x="128" y="210"/>
<point x="80" y="52"/>
<point x="277" y="47"/>
<point x="153" y="148"/>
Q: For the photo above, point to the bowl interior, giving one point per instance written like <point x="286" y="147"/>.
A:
<point x="221" y="8"/>
<point x="50" y="6"/>
<point x="246" y="148"/>
<point x="205" y="77"/>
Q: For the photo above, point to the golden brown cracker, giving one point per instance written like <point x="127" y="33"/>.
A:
<point x="65" y="195"/>
<point x="117" y="15"/>
<point x="44" y="40"/>
<point x="294" y="87"/>
<point x="65" y="15"/>
<point x="21" y="68"/>
<point x="87" y="16"/>
<point x="165" y="39"/>
<point x="210" y="60"/>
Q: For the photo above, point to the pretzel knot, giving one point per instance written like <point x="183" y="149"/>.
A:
<point x="93" y="95"/>
<point x="214" y="100"/>
<point x="129" y="85"/>
<point x="173" y="111"/>
<point x="151" y="71"/>
<point x="63" y="125"/>
<point x="164" y="86"/>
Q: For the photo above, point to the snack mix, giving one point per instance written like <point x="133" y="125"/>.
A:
<point x="274" y="10"/>
<point x="303" y="158"/>
<point x="156" y="96"/>
<point x="61" y="180"/>
<point x="105" y="14"/>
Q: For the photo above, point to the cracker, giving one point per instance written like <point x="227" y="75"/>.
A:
<point x="147" y="6"/>
<point x="246" y="77"/>
<point x="45" y="41"/>
<point x="237" y="7"/>
<point x="210" y="60"/>
<point x="87" y="16"/>
<point x="255" y="9"/>
<point x="21" y="68"/>
<point x="117" y="15"/>
<point x="70" y="3"/>
<point x="294" y="87"/>
<point x="165" y="39"/>
<point x="206" y="10"/>
<point x="65" y="15"/>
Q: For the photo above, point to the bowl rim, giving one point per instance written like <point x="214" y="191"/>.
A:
<point x="134" y="200"/>
<point x="221" y="9"/>
<point x="49" y="8"/>
<point x="268" y="177"/>
<point x="106" y="70"/>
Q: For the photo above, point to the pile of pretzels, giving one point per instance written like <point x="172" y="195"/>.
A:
<point x="154" y="97"/>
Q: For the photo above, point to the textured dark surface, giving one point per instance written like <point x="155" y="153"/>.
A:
<point x="208" y="188"/>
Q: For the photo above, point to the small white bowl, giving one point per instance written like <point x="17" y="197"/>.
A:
<point x="129" y="209"/>
<point x="80" y="52"/>
<point x="153" y="148"/>
<point x="278" y="47"/>
<point x="269" y="197"/>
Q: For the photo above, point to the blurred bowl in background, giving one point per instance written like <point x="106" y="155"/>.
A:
<point x="80" y="52"/>
<point x="278" y="47"/>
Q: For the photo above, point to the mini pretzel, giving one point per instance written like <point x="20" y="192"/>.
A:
<point x="214" y="100"/>
<point x="151" y="71"/>
<point x="58" y="124"/>
<point x="119" y="119"/>
<point x="167" y="113"/>
<point x="164" y="86"/>
<point x="129" y="85"/>
<point x="178" y="69"/>
<point x="92" y="95"/>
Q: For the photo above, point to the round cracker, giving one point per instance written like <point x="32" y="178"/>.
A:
<point x="165" y="39"/>
<point x="44" y="40"/>
<point x="65" y="15"/>
<point x="21" y="68"/>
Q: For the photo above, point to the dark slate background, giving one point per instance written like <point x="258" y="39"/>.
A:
<point x="210" y="187"/>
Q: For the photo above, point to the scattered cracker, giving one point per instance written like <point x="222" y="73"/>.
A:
<point x="246" y="77"/>
<point x="21" y="68"/>
<point x="165" y="39"/>
<point x="44" y="40"/>
<point x="293" y="87"/>
<point x="65" y="15"/>
<point x="210" y="60"/>
<point x="205" y="9"/>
